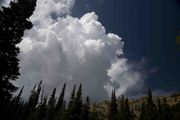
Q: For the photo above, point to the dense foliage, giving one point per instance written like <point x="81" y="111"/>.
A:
<point x="13" y="22"/>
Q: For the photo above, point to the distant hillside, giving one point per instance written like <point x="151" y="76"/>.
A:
<point x="135" y="104"/>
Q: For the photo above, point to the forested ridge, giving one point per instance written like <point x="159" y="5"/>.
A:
<point x="55" y="107"/>
<point x="136" y="105"/>
<point x="14" y="20"/>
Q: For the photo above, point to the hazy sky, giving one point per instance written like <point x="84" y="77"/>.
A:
<point x="78" y="41"/>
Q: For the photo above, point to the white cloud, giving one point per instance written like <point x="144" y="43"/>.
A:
<point x="63" y="48"/>
<point x="4" y="3"/>
<point x="125" y="76"/>
<point x="51" y="8"/>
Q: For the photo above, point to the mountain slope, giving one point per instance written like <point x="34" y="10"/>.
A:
<point x="102" y="108"/>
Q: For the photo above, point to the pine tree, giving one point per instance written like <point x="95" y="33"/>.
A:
<point x="78" y="104"/>
<point x="40" y="111"/>
<point x="60" y="107"/>
<point x="13" y="22"/>
<point x="33" y="100"/>
<point x="13" y="106"/>
<point x="17" y="99"/>
<point x="121" y="112"/>
<point x="74" y="110"/>
<point x="70" y="108"/>
<point x="86" y="110"/>
<point x="127" y="112"/>
<point x="30" y="106"/>
<point x="133" y="114"/>
<point x="94" y="115"/>
<point x="50" y="115"/>
<point x="159" y="109"/>
<point x="71" y="102"/>
<point x="113" y="111"/>
<point x="143" y="112"/>
<point x="19" y="111"/>
<point x="151" y="110"/>
<point x="166" y="112"/>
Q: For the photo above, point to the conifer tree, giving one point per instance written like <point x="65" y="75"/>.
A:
<point x="121" y="111"/>
<point x="86" y="110"/>
<point x="133" y="114"/>
<point x="70" y="109"/>
<point x="13" y="22"/>
<point x="143" y="111"/>
<point x="151" y="110"/>
<point x="166" y="113"/>
<point x="13" y="106"/>
<point x="78" y="104"/>
<point x="40" y="111"/>
<point x="94" y="115"/>
<point x="17" y="99"/>
<point x="60" y="99"/>
<point x="159" y="109"/>
<point x="113" y="111"/>
<point x="32" y="102"/>
<point x="74" y="110"/>
<point x="127" y="112"/>
<point x="60" y="107"/>
<point x="19" y="111"/>
<point x="50" y="115"/>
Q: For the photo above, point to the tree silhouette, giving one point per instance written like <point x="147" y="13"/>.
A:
<point x="50" y="115"/>
<point x="32" y="103"/>
<point x="86" y="110"/>
<point x="143" y="111"/>
<point x="70" y="108"/>
<point x="78" y="104"/>
<point x="41" y="108"/>
<point x="166" y="112"/>
<point x="13" y="22"/>
<point x="127" y="113"/>
<point x="113" y="111"/>
<point x="60" y="107"/>
<point x="151" y="110"/>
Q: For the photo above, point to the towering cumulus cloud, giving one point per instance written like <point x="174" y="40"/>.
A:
<point x="61" y="48"/>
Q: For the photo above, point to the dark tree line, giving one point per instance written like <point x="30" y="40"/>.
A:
<point x="40" y="107"/>
<point x="121" y="112"/>
<point x="149" y="110"/>
<point x="159" y="110"/>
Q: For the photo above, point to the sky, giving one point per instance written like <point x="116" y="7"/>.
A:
<point x="149" y="29"/>
<point x="104" y="44"/>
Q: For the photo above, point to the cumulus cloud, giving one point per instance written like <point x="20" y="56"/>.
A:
<point x="127" y="77"/>
<point x="4" y="2"/>
<point x="61" y="48"/>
